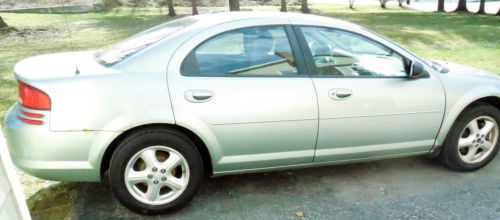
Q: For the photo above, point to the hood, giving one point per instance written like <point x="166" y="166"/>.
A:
<point x="59" y="65"/>
<point x="462" y="70"/>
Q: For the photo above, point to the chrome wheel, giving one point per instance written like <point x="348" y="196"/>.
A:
<point x="478" y="139"/>
<point x="157" y="175"/>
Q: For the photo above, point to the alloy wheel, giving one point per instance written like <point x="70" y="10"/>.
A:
<point x="157" y="175"/>
<point x="478" y="139"/>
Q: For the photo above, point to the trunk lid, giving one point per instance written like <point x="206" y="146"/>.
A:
<point x="59" y="65"/>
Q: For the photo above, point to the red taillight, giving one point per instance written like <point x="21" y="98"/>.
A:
<point x="33" y="98"/>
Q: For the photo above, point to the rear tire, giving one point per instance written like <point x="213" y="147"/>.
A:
<point x="473" y="140"/>
<point x="155" y="171"/>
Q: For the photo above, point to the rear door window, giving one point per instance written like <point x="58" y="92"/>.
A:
<point x="256" y="51"/>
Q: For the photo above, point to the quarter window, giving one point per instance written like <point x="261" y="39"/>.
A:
<point x="345" y="54"/>
<point x="260" y="51"/>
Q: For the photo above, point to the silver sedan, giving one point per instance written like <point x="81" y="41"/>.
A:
<point x="229" y="93"/>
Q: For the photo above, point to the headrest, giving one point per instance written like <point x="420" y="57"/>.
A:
<point x="261" y="42"/>
<point x="322" y="50"/>
<point x="282" y="45"/>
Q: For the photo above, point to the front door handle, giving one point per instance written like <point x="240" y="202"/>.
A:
<point x="340" y="94"/>
<point x="198" y="95"/>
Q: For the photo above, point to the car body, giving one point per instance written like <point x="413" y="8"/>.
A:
<point x="242" y="120"/>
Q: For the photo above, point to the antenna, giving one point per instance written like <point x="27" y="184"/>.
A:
<point x="77" y="71"/>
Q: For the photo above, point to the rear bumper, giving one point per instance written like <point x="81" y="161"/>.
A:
<point x="59" y="156"/>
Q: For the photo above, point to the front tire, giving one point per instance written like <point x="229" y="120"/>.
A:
<point x="473" y="139"/>
<point x="155" y="171"/>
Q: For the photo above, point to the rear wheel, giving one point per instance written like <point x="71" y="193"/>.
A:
<point x="155" y="171"/>
<point x="473" y="140"/>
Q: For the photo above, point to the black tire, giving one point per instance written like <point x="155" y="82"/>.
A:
<point x="145" y="138"/>
<point x="449" y="155"/>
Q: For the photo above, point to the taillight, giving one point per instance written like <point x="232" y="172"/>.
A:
<point x="33" y="98"/>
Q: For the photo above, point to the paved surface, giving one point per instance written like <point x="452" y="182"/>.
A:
<point x="409" y="188"/>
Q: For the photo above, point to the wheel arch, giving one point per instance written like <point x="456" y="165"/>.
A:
<point x="199" y="143"/>
<point x="492" y="100"/>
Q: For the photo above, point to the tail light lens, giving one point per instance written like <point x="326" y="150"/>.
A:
<point x="33" y="98"/>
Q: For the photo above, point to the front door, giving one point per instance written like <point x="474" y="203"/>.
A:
<point x="368" y="106"/>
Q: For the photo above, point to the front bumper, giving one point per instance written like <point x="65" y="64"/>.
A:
<point x="59" y="156"/>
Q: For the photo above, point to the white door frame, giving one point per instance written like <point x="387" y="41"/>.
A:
<point x="13" y="196"/>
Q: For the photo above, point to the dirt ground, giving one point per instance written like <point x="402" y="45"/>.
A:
<point x="408" y="188"/>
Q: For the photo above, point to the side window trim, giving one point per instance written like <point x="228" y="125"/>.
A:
<point x="294" y="45"/>
<point x="305" y="51"/>
<point x="307" y="54"/>
<point x="297" y="52"/>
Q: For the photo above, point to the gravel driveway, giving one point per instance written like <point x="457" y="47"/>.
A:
<point x="409" y="188"/>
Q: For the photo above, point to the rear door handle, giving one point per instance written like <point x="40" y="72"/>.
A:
<point x="198" y="95"/>
<point x="340" y="94"/>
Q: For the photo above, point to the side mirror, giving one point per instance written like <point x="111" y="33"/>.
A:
<point x="417" y="70"/>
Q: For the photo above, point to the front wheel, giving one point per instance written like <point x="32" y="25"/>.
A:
<point x="473" y="140"/>
<point x="155" y="171"/>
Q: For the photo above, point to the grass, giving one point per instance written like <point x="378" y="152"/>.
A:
<point x="461" y="38"/>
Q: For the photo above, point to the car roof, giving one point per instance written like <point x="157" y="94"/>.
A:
<point x="210" y="20"/>
<point x="223" y="17"/>
<point x="241" y="15"/>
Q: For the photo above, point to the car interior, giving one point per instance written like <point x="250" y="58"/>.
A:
<point x="340" y="53"/>
<point x="261" y="51"/>
<point x="266" y="51"/>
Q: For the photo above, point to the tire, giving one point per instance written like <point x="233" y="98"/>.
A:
<point x="155" y="171"/>
<point x="476" y="149"/>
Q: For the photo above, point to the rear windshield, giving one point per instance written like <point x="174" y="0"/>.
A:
<point x="138" y="42"/>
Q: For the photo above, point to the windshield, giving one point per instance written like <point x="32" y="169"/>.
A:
<point x="138" y="42"/>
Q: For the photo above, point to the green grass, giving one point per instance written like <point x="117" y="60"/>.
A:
<point x="461" y="38"/>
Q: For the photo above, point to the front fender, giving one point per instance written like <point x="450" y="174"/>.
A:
<point x="457" y="101"/>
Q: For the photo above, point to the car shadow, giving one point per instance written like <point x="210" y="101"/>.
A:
<point x="287" y="189"/>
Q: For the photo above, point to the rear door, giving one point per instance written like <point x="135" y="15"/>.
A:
<point x="245" y="92"/>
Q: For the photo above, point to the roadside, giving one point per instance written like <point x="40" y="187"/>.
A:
<point x="410" y="188"/>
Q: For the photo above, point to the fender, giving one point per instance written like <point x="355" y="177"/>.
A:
<point x="199" y="128"/>
<point x="457" y="103"/>
<point x="121" y="124"/>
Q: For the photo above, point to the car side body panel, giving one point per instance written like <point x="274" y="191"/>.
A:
<point x="118" y="100"/>
<point x="246" y="127"/>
